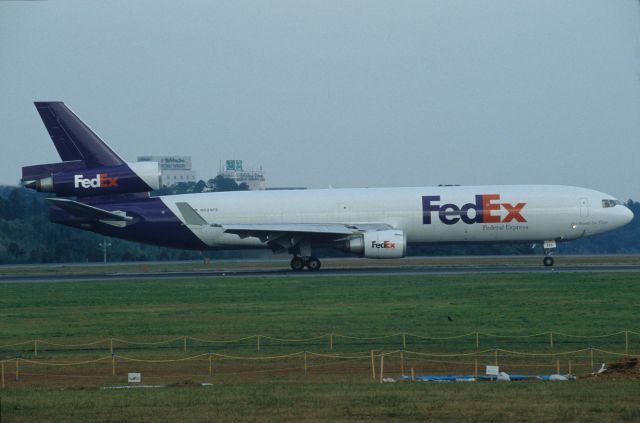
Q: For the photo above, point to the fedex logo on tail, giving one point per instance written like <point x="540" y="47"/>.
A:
<point x="102" y="180"/>
<point x="486" y="209"/>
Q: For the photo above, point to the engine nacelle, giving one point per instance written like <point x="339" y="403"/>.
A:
<point x="378" y="244"/>
<point x="124" y="179"/>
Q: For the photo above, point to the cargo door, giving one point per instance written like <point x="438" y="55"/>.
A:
<point x="584" y="207"/>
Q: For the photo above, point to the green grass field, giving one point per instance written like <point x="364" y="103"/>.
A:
<point x="585" y="304"/>
<point x="295" y="402"/>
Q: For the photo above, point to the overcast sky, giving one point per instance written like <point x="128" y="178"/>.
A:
<point x="341" y="93"/>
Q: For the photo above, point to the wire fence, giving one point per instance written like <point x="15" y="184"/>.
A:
<point x="213" y="367"/>
<point x="188" y="359"/>
<point x="624" y="341"/>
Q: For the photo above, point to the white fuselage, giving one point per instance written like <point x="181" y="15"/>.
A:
<point x="426" y="214"/>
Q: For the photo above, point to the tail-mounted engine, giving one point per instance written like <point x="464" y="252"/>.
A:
<point x="84" y="182"/>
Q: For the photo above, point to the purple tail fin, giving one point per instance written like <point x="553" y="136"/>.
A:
<point x="89" y="167"/>
<point x="72" y="138"/>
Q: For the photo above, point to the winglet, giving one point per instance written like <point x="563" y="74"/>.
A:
<point x="191" y="217"/>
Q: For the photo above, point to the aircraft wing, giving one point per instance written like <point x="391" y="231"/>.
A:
<point x="282" y="235"/>
<point x="89" y="212"/>
<point x="272" y="232"/>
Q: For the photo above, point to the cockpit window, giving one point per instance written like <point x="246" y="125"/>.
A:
<point x="610" y="203"/>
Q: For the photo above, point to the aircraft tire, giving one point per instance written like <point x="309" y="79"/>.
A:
<point x="313" y="264"/>
<point x="548" y="261"/>
<point x="297" y="264"/>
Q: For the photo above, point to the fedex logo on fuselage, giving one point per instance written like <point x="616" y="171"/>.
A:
<point x="102" y="180"/>
<point x="486" y="209"/>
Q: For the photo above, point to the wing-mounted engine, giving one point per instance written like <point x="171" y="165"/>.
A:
<point x="385" y="244"/>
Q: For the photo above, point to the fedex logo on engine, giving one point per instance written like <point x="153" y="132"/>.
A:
<point x="102" y="180"/>
<point x="486" y="209"/>
<point x="383" y="244"/>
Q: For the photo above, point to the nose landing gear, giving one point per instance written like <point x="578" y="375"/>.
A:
<point x="548" y="247"/>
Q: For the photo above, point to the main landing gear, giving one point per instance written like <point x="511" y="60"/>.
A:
<point x="298" y="263"/>
<point x="302" y="257"/>
<point x="548" y="247"/>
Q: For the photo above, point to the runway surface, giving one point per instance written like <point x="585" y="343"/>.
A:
<point x="329" y="272"/>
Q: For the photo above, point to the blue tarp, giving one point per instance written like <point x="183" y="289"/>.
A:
<point x="511" y="377"/>
<point x="442" y="378"/>
<point x="426" y="378"/>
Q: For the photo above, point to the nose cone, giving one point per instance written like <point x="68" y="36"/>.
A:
<point x="627" y="215"/>
<point x="619" y="216"/>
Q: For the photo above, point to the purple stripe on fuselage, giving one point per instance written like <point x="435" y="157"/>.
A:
<point x="153" y="223"/>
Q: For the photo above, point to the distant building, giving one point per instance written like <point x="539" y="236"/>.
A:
<point x="173" y="169"/>
<point x="253" y="178"/>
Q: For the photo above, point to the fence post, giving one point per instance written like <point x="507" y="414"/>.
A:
<point x="591" y="354"/>
<point x="551" y="340"/>
<point x="402" y="362"/>
<point x="404" y="340"/>
<point x="331" y="341"/>
<point x="17" y="368"/>
<point x="557" y="367"/>
<point x="111" y="345"/>
<point x="495" y="355"/>
<point x="569" y="366"/>
<point x="373" y="366"/>
<point x="113" y="365"/>
<point x="35" y="347"/>
<point x="626" y="342"/>
<point x="185" y="343"/>
<point x="413" y="375"/>
<point x="305" y="364"/>
<point x="475" y="368"/>
<point x="477" y="340"/>
<point x="258" y="342"/>
<point x="381" y="367"/>
<point x="210" y="370"/>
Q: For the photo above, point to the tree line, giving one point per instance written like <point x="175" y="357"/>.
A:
<point x="27" y="236"/>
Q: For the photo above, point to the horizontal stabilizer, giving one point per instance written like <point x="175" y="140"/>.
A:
<point x="86" y="211"/>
